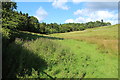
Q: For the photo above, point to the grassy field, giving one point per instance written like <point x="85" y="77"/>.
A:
<point x="82" y="54"/>
<point x="92" y="61"/>
<point x="106" y="37"/>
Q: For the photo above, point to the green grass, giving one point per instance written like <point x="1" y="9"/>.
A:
<point x="65" y="59"/>
<point x="46" y="56"/>
<point x="106" y="37"/>
<point x="109" y="32"/>
<point x="91" y="60"/>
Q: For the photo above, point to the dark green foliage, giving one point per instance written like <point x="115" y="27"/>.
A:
<point x="8" y="16"/>
<point x="18" y="60"/>
<point x="5" y="38"/>
<point x="13" y="21"/>
<point x="30" y="58"/>
<point x="62" y="28"/>
<point x="8" y="36"/>
<point x="9" y="5"/>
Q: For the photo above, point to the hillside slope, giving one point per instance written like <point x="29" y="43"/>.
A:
<point x="63" y="55"/>
<point x="106" y="37"/>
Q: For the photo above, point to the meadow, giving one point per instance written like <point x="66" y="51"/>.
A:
<point x="106" y="37"/>
<point x="35" y="49"/>
<point x="91" y="53"/>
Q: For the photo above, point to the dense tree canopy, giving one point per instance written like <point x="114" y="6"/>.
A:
<point x="68" y="27"/>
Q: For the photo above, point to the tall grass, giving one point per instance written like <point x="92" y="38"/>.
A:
<point x="30" y="59"/>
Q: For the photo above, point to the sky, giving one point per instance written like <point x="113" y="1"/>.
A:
<point x="71" y="12"/>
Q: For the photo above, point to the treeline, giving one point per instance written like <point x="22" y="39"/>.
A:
<point x="13" y="21"/>
<point x="68" y="27"/>
<point x="21" y="21"/>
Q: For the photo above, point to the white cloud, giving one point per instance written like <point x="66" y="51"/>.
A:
<point x="78" y="1"/>
<point x="69" y="21"/>
<point x="60" y="4"/>
<point x="41" y="14"/>
<point x="87" y="15"/>
<point x="81" y="12"/>
<point x="79" y="20"/>
<point x="104" y="14"/>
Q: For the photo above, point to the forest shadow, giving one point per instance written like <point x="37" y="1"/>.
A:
<point x="28" y="36"/>
<point x="17" y="60"/>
